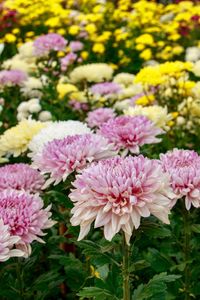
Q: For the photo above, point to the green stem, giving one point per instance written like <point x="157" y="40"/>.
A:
<point x="19" y="273"/>
<point x="125" y="270"/>
<point x="186" y="249"/>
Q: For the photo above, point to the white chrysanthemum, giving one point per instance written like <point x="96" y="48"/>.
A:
<point x="192" y="54"/>
<point x="26" y="50"/>
<point x="96" y="72"/>
<point x="196" y="68"/>
<point x="155" y="113"/>
<point x="124" y="78"/>
<point x="56" y="130"/>
<point x="32" y="87"/>
<point x="17" y="62"/>
<point x="131" y="91"/>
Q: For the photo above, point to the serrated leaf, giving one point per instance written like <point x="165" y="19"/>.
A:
<point x="155" y="289"/>
<point x="96" y="292"/>
<point x="196" y="228"/>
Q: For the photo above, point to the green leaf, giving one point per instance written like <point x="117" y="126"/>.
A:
<point x="196" y="228"/>
<point x="96" y="292"/>
<point x="155" y="289"/>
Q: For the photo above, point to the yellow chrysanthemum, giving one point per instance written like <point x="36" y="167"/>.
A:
<point x="16" y="139"/>
<point x="65" y="88"/>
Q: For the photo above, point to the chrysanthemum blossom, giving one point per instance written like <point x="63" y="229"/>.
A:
<point x="105" y="88"/>
<point x="24" y="214"/>
<point x="99" y="116"/>
<point x="76" y="46"/>
<point x="61" y="157"/>
<point x="15" y="140"/>
<point x="20" y="177"/>
<point x="130" y="133"/>
<point x="183" y="166"/>
<point x="115" y="193"/>
<point x="56" y="130"/>
<point x="49" y="42"/>
<point x="12" y="77"/>
<point x="7" y="243"/>
<point x="155" y="113"/>
<point x="96" y="72"/>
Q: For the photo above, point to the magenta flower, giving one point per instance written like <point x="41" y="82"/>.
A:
<point x="99" y="116"/>
<point x="12" y="77"/>
<point x="7" y="243"/>
<point x="68" y="60"/>
<point x="76" y="46"/>
<point x="20" y="177"/>
<point x="117" y="192"/>
<point x="130" y="133"/>
<point x="105" y="88"/>
<point x="183" y="166"/>
<point x="24" y="214"/>
<point x="49" y="42"/>
<point x="61" y="157"/>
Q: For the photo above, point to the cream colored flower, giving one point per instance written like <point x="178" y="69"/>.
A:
<point x="124" y="78"/>
<point x="15" y="140"/>
<point x="96" y="72"/>
<point x="155" y="113"/>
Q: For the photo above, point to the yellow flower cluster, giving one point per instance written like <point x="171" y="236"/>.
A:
<point x="148" y="29"/>
<point x="155" y="75"/>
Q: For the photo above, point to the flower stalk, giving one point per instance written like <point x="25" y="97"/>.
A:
<point x="186" y="249"/>
<point x="125" y="270"/>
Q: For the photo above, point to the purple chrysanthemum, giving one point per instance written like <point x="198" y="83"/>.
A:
<point x="105" y="88"/>
<point x="61" y="157"/>
<point x="117" y="192"/>
<point x="12" y="77"/>
<point x="24" y="214"/>
<point x="129" y="133"/>
<point x="49" y="42"/>
<point x="183" y="166"/>
<point x="20" y="177"/>
<point x="7" y="243"/>
<point x="99" y="116"/>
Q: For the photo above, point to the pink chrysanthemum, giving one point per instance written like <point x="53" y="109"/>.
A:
<point x="7" y="243"/>
<point x="183" y="166"/>
<point x="129" y="133"/>
<point x="49" y="42"/>
<point x="117" y="192"/>
<point x="61" y="157"/>
<point x="68" y="60"/>
<point x="20" y="177"/>
<point x="12" y="77"/>
<point x="105" y="88"/>
<point x="24" y="214"/>
<point x="76" y="46"/>
<point x="99" y="116"/>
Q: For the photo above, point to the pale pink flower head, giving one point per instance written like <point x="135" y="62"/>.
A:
<point x="115" y="193"/>
<point x="24" y="214"/>
<point x="12" y="77"/>
<point x="44" y="44"/>
<point x="183" y="166"/>
<point x="20" y="177"/>
<point x="130" y="133"/>
<point x="61" y="157"/>
<point x="76" y="46"/>
<point x="7" y="243"/>
<point x="99" y="116"/>
<point x="68" y="60"/>
<point x="106" y="88"/>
